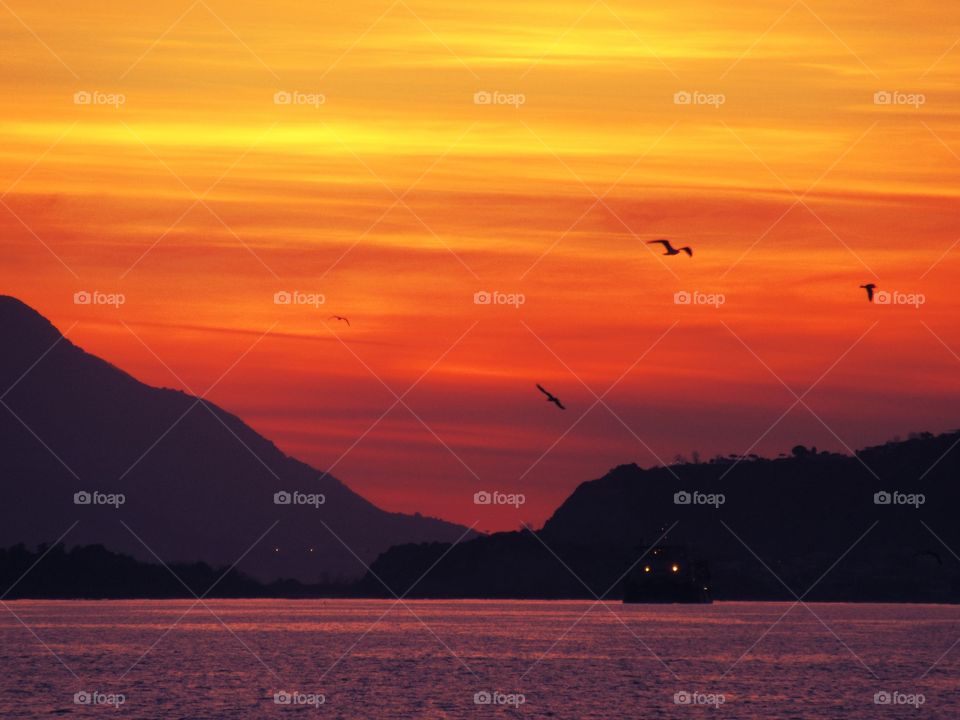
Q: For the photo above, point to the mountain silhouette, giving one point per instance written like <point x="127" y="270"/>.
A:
<point x="92" y="571"/>
<point x="74" y="423"/>
<point x="819" y="526"/>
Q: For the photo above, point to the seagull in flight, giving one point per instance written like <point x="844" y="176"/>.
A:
<point x="550" y="397"/>
<point x="339" y="317"/>
<point x="669" y="249"/>
<point x="869" y="287"/>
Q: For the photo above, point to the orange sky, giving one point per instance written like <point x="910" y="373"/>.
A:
<point x="199" y="197"/>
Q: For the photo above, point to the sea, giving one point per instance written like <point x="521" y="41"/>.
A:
<point x="188" y="659"/>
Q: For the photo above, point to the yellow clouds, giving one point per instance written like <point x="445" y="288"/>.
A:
<point x="401" y="156"/>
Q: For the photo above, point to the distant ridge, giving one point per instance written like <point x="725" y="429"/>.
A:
<point x="195" y="494"/>
<point x="816" y="524"/>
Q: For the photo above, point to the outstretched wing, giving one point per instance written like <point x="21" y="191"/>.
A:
<point x="541" y="389"/>
<point x="688" y="251"/>
<point x="665" y="243"/>
<point x="559" y="404"/>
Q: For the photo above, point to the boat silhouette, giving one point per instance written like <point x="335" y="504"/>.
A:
<point x="668" y="574"/>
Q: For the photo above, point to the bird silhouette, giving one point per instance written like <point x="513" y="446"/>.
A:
<point x="551" y="397"/>
<point x="669" y="249"/>
<point x="339" y="317"/>
<point x="869" y="287"/>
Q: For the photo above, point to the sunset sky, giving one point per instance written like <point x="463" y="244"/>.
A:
<point x="198" y="197"/>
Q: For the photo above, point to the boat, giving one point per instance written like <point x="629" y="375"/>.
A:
<point x="667" y="574"/>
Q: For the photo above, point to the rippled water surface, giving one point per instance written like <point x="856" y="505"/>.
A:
<point x="436" y="659"/>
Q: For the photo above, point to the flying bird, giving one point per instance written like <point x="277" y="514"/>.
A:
<point x="869" y="287"/>
<point x="550" y="397"/>
<point x="339" y="317"/>
<point x="669" y="249"/>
